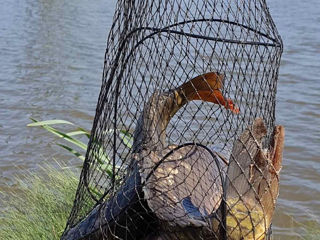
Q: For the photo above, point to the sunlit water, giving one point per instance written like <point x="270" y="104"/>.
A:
<point x="51" y="59"/>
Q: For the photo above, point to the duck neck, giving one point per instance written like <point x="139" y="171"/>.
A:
<point x="150" y="132"/>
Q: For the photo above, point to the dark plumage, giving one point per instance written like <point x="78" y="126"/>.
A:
<point x="182" y="185"/>
<point x="185" y="180"/>
<point x="170" y="190"/>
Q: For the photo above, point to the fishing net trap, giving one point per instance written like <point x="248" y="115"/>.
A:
<point x="184" y="143"/>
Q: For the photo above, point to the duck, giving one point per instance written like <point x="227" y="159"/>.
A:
<point x="182" y="185"/>
<point x="169" y="190"/>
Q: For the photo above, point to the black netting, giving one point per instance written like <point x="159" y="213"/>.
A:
<point x="184" y="140"/>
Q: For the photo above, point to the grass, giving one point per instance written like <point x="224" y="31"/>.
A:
<point x="312" y="230"/>
<point x="39" y="206"/>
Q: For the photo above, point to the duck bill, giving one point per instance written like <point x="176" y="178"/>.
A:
<point x="216" y="97"/>
<point x="207" y="87"/>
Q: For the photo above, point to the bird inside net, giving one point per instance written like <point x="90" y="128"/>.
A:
<point x="184" y="143"/>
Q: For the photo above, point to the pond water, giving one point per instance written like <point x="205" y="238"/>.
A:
<point x="51" y="66"/>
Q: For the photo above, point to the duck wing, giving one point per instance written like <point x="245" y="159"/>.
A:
<point x="182" y="185"/>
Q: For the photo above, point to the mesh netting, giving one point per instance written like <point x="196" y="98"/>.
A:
<point x="183" y="141"/>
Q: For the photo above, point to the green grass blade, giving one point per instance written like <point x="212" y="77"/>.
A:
<point x="102" y="158"/>
<point x="78" y="132"/>
<point x="127" y="139"/>
<point x="106" y="167"/>
<point x="75" y="133"/>
<point x="48" y="122"/>
<point x="88" y="134"/>
<point x="39" y="205"/>
<point x="125" y="136"/>
<point x="77" y="154"/>
<point x="65" y="137"/>
<point x="127" y="133"/>
<point x="96" y="192"/>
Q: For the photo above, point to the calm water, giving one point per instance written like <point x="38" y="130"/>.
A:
<point x="51" y="58"/>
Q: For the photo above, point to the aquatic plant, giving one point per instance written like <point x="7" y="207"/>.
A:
<point x="67" y="136"/>
<point x="101" y="157"/>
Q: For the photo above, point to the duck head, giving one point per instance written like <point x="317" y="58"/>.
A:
<point x="162" y="106"/>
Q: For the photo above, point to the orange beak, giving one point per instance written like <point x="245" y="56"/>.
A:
<point x="216" y="97"/>
<point x="207" y="87"/>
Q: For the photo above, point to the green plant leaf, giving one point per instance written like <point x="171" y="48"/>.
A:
<point x="125" y="136"/>
<point x="64" y="136"/>
<point x="98" y="153"/>
<point x="96" y="192"/>
<point x="106" y="167"/>
<point x="127" y="139"/>
<point x="48" y="122"/>
<point x="88" y="134"/>
<point x="77" y="154"/>
<point x="101" y="157"/>
<point x="78" y="132"/>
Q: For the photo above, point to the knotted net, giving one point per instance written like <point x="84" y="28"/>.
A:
<point x="184" y="137"/>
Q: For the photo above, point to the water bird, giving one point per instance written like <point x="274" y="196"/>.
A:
<point x="182" y="185"/>
<point x="169" y="189"/>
